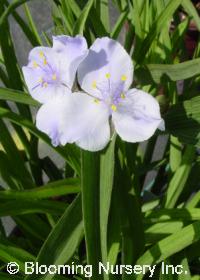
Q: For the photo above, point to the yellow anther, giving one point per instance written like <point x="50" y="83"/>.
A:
<point x="114" y="107"/>
<point x="40" y="80"/>
<point x="41" y="54"/>
<point x="54" y="77"/>
<point x="96" y="101"/>
<point x="108" y="75"/>
<point x="45" y="84"/>
<point x="45" y="61"/>
<point x="123" y="78"/>
<point x="35" y="65"/>
<point x="122" y="95"/>
<point x="94" y="84"/>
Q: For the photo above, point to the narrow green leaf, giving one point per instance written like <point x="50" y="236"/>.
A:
<point x="17" y="96"/>
<point x="179" y="178"/>
<point x="32" y="24"/>
<point x="128" y="200"/>
<point x="119" y="24"/>
<point x="178" y="35"/>
<point x="30" y="225"/>
<point x="136" y="20"/>
<point x="75" y="8"/>
<point x="176" y="72"/>
<point x="58" y="188"/>
<point x="107" y="162"/>
<point x="184" y="214"/>
<point x="10" y="61"/>
<point x="175" y="153"/>
<point x="104" y="13"/>
<point x="80" y="24"/>
<point x="97" y="27"/>
<point x="170" y="245"/>
<point x="90" y="204"/>
<point x="25" y="28"/>
<point x="63" y="240"/>
<point x="158" y="231"/>
<point x="15" y="4"/>
<point x="14" y="208"/>
<point x="194" y="201"/>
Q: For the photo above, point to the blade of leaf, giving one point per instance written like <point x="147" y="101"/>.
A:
<point x="80" y="23"/>
<point x="179" y="178"/>
<point x="58" y="188"/>
<point x="90" y="204"/>
<point x="15" y="208"/>
<point x="63" y="240"/>
<point x="119" y="24"/>
<point x="17" y="96"/>
<point x="107" y="161"/>
<point x="32" y="24"/>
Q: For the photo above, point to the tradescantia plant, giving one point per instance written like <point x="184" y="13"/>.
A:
<point x="113" y="202"/>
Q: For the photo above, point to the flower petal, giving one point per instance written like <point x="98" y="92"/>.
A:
<point x="50" y="118"/>
<point x="85" y="122"/>
<point x="74" y="118"/>
<point x="137" y="117"/>
<point x="71" y="51"/>
<point x="107" y="59"/>
<point x="97" y="132"/>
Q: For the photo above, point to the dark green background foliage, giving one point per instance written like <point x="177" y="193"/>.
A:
<point x="101" y="206"/>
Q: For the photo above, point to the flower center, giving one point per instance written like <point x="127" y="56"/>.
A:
<point x="109" y="92"/>
<point x="48" y="74"/>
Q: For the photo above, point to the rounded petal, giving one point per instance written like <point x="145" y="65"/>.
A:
<point x="60" y="119"/>
<point x="137" y="116"/>
<point x="73" y="118"/>
<point x="106" y="59"/>
<point x="97" y="133"/>
<point x="90" y="120"/>
<point x="70" y="51"/>
<point x="50" y="116"/>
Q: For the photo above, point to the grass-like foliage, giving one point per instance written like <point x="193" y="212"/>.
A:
<point x="129" y="204"/>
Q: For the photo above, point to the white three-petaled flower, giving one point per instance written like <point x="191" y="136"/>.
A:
<point x="87" y="118"/>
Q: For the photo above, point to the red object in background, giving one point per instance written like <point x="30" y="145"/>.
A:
<point x="192" y="35"/>
<point x="190" y="43"/>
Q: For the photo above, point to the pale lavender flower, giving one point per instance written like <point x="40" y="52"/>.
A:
<point x="50" y="75"/>
<point x="51" y="71"/>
